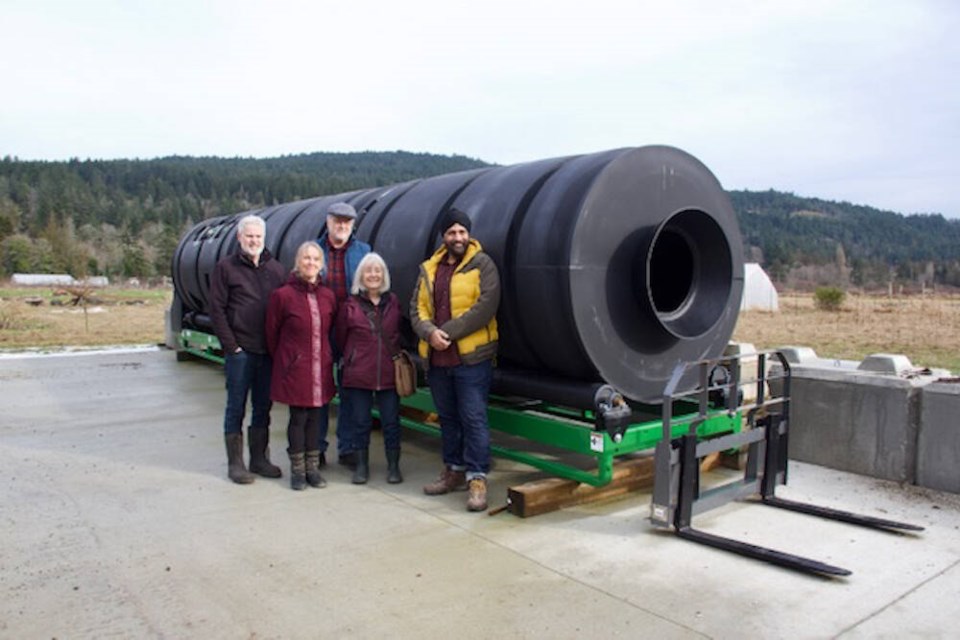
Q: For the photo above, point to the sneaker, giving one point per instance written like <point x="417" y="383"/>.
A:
<point x="448" y="481"/>
<point x="477" y="500"/>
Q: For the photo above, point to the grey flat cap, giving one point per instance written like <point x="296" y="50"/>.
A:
<point x="341" y="210"/>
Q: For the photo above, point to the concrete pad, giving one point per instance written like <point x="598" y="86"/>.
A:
<point x="118" y="520"/>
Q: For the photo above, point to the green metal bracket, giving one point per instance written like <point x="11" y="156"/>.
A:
<point x="202" y="345"/>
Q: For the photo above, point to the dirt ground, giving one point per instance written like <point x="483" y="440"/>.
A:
<point x="924" y="328"/>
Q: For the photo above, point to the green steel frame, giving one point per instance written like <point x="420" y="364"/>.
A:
<point x="561" y="428"/>
<point x="200" y="344"/>
<point x="574" y="431"/>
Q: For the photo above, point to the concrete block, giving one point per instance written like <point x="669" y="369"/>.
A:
<point x="938" y="440"/>
<point x="798" y="355"/>
<point x="855" y="421"/>
<point x="886" y="363"/>
<point x="900" y="365"/>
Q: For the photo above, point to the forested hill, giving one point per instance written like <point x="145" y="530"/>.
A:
<point x="124" y="217"/>
<point x="130" y="193"/>
<point x="866" y="245"/>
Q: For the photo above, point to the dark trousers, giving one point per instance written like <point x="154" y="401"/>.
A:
<point x="247" y="374"/>
<point x="302" y="428"/>
<point x="361" y="403"/>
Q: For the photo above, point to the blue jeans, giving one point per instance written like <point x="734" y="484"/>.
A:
<point x="247" y="373"/>
<point x="361" y="402"/>
<point x="460" y="396"/>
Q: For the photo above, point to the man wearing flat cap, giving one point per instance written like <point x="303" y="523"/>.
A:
<point x="453" y="311"/>
<point x="341" y="255"/>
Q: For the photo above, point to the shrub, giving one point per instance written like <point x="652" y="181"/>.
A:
<point x="829" y="298"/>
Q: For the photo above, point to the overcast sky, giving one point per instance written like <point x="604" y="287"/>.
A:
<point x="855" y="100"/>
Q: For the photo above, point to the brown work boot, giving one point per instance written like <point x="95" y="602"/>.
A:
<point x="448" y="481"/>
<point x="477" y="500"/>
<point x="235" y="467"/>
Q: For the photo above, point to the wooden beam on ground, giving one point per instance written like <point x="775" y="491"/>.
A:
<point x="550" y="494"/>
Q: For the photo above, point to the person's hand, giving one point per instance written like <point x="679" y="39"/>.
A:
<point x="439" y="340"/>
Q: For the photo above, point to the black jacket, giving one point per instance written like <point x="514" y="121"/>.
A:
<point x="239" y="293"/>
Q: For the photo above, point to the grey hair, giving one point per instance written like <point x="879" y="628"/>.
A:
<point x="246" y="221"/>
<point x="374" y="258"/>
<point x="303" y="249"/>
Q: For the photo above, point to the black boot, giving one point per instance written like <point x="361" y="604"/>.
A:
<point x="362" y="472"/>
<point x="298" y="472"/>
<point x="393" y="466"/>
<point x="260" y="454"/>
<point x="235" y="469"/>
<point x="314" y="479"/>
<point x="347" y="459"/>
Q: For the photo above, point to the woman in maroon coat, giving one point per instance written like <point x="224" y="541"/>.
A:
<point x="368" y="331"/>
<point x="299" y="318"/>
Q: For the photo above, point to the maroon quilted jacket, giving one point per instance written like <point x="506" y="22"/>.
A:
<point x="370" y="336"/>
<point x="299" y="318"/>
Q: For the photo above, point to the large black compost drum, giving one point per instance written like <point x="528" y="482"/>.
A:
<point x="615" y="266"/>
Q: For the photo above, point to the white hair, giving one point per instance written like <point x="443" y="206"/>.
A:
<point x="246" y="221"/>
<point x="370" y="258"/>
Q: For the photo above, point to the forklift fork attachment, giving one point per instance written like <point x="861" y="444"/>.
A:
<point x="841" y="516"/>
<point x="677" y="494"/>
<point x="756" y="552"/>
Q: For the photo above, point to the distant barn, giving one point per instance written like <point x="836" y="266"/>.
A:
<point x="56" y="280"/>
<point x="43" y="279"/>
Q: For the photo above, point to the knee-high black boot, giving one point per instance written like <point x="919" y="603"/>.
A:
<point x="362" y="473"/>
<point x="235" y="468"/>
<point x="393" y="466"/>
<point x="260" y="454"/>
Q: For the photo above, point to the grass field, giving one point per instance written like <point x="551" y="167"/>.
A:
<point x="924" y="328"/>
<point x="40" y="317"/>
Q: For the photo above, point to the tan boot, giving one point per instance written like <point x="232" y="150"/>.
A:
<point x="448" y="481"/>
<point x="314" y="479"/>
<point x="298" y="472"/>
<point x="477" y="499"/>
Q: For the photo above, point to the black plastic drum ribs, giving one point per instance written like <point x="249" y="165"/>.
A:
<point x="615" y="266"/>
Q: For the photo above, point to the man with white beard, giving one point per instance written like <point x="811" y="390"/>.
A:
<point x="239" y="291"/>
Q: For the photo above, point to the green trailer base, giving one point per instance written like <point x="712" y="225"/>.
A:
<point x="573" y="431"/>
<point x="560" y="428"/>
<point x="201" y="345"/>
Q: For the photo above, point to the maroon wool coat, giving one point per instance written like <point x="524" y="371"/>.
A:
<point x="370" y="336"/>
<point x="299" y="318"/>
